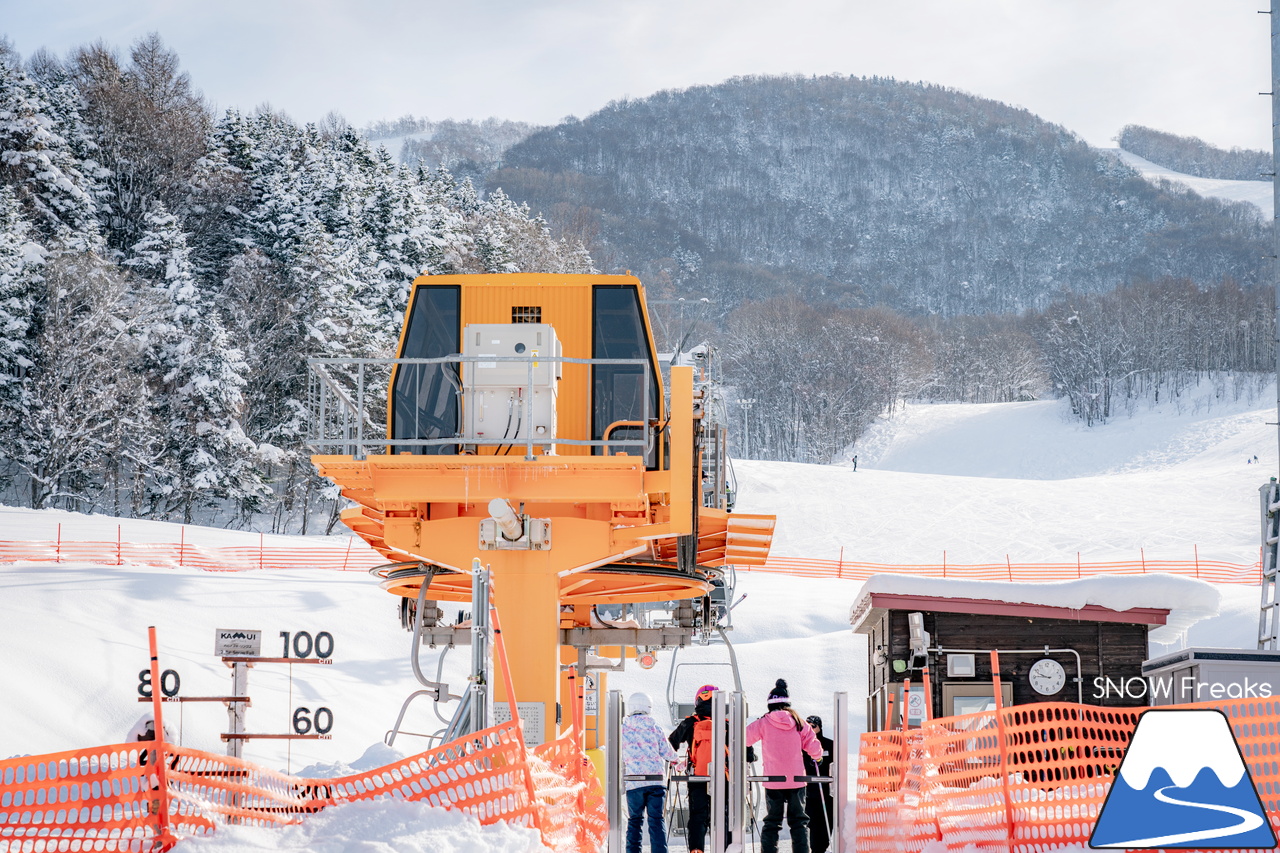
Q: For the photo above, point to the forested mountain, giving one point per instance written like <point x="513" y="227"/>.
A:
<point x="1193" y="156"/>
<point x="165" y="273"/>
<point x="858" y="192"/>
<point x="468" y="149"/>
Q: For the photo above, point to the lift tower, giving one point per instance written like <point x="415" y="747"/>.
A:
<point x="526" y="424"/>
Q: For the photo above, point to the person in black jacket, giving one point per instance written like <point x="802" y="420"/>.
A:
<point x="699" y="792"/>
<point x="818" y="801"/>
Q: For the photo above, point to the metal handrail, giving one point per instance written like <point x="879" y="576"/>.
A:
<point x="350" y="414"/>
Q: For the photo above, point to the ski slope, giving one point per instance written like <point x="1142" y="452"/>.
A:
<point x="1258" y="193"/>
<point x="977" y="482"/>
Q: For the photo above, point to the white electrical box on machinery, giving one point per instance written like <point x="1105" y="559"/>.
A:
<point x="496" y="394"/>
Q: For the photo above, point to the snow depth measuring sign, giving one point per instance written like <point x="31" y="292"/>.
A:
<point x="1183" y="783"/>
<point x="237" y="642"/>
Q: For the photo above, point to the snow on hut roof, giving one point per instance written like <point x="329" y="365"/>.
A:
<point x="1147" y="598"/>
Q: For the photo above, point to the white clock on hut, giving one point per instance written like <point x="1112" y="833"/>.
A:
<point x="1047" y="676"/>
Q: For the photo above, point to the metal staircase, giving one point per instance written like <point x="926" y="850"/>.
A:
<point x="1269" y="608"/>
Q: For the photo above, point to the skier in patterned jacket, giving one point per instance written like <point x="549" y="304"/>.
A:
<point x="645" y="751"/>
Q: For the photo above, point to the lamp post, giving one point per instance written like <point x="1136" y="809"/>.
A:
<point x="747" y="403"/>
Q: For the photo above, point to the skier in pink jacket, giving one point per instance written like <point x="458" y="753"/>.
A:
<point x="785" y="738"/>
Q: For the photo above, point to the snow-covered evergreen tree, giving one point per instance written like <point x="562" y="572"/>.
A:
<point x="510" y="239"/>
<point x="233" y="251"/>
<point x="196" y="378"/>
<point x="20" y="262"/>
<point x="39" y="163"/>
<point x="87" y="426"/>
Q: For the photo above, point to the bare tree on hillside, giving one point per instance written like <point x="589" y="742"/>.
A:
<point x="151" y="125"/>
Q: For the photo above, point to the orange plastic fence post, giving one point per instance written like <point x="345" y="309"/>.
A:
<point x="182" y="543"/>
<point x="163" y="833"/>
<point x="906" y="703"/>
<point x="928" y="696"/>
<point x="57" y="548"/>
<point x="998" y="693"/>
<point x="119" y="546"/>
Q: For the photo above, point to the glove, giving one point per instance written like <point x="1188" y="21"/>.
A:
<point x="751" y="755"/>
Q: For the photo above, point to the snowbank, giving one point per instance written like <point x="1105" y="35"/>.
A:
<point x="1188" y="600"/>
<point x="374" y="826"/>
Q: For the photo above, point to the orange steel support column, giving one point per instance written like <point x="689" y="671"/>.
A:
<point x="682" y="473"/>
<point x="528" y="587"/>
<point x="504" y="666"/>
<point x="579" y="771"/>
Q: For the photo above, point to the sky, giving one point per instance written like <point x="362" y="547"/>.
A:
<point x="1191" y="67"/>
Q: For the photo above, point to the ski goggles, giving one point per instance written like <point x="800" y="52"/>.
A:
<point x="705" y="691"/>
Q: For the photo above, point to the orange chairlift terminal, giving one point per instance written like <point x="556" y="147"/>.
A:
<point x="526" y="425"/>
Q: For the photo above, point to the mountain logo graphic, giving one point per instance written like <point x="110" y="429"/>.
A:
<point x="1183" y="784"/>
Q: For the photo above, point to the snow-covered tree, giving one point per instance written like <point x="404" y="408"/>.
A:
<point x="196" y="380"/>
<point x="151" y="126"/>
<point x="190" y="268"/>
<point x="39" y="163"/>
<point x="508" y="238"/>
<point x="86" y="426"/>
<point x="20" y="262"/>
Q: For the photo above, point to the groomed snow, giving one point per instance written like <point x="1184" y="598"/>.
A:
<point x="385" y="826"/>
<point x="1257" y="193"/>
<point x="1163" y="481"/>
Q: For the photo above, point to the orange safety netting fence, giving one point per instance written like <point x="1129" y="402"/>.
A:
<point x="353" y="555"/>
<point x="1214" y="571"/>
<point x="110" y="798"/>
<point x="1029" y="778"/>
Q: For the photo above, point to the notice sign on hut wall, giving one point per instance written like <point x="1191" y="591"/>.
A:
<point x="237" y="642"/>
<point x="915" y="706"/>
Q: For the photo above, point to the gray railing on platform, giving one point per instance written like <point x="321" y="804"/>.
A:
<point x="348" y="399"/>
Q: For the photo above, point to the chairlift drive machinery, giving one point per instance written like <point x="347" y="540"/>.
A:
<point x="526" y="424"/>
